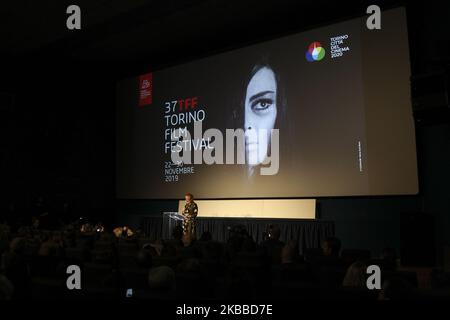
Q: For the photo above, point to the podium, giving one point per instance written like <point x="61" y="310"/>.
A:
<point x="170" y="220"/>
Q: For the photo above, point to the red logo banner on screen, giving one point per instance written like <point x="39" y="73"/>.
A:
<point x="145" y="89"/>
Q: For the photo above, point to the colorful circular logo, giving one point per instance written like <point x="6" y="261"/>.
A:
<point x="315" y="52"/>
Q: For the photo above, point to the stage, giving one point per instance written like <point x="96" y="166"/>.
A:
<point x="308" y="233"/>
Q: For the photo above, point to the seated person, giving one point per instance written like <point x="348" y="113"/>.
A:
<point x="123" y="232"/>
<point x="51" y="246"/>
<point x="331" y="248"/>
<point x="87" y="228"/>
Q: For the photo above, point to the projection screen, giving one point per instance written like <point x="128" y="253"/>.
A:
<point x="325" y="112"/>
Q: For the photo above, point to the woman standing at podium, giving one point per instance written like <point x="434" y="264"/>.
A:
<point x="190" y="214"/>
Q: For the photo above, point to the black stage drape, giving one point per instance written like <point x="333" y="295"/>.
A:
<point x="308" y="233"/>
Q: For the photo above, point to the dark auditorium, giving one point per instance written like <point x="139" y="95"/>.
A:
<point x="218" y="158"/>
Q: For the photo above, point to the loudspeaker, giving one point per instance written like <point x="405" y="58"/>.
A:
<point x="417" y="240"/>
<point x="431" y="98"/>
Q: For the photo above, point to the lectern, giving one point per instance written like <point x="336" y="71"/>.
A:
<point x="170" y="220"/>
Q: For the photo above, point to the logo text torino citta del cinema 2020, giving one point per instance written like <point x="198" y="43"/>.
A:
<point x="315" y="52"/>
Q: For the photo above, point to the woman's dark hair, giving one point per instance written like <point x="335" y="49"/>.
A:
<point x="280" y="99"/>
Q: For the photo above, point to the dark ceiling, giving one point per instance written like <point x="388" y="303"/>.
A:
<point x="161" y="32"/>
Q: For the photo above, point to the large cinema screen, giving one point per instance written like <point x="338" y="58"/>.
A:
<point x="325" y="112"/>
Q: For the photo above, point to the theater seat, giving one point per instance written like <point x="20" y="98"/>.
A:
<point x="45" y="266"/>
<point x="349" y="256"/>
<point x="103" y="245"/>
<point x="43" y="288"/>
<point x="102" y="256"/>
<point x="351" y="294"/>
<point x="331" y="276"/>
<point x="125" y="246"/>
<point x="97" y="276"/>
<point x="127" y="260"/>
<point x="289" y="290"/>
<point x="292" y="272"/>
<point x="408" y="276"/>
<point x="77" y="254"/>
<point x="311" y="254"/>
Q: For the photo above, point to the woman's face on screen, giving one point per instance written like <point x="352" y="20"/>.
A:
<point x="260" y="114"/>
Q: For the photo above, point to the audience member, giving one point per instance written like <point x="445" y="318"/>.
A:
<point x="177" y="238"/>
<point x="16" y="268"/>
<point x="289" y="253"/>
<point x="356" y="275"/>
<point x="331" y="247"/>
<point x="162" y="278"/>
<point x="240" y="266"/>
<point x="144" y="257"/>
<point x="51" y="245"/>
<point x="190" y="265"/>
<point x="389" y="259"/>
